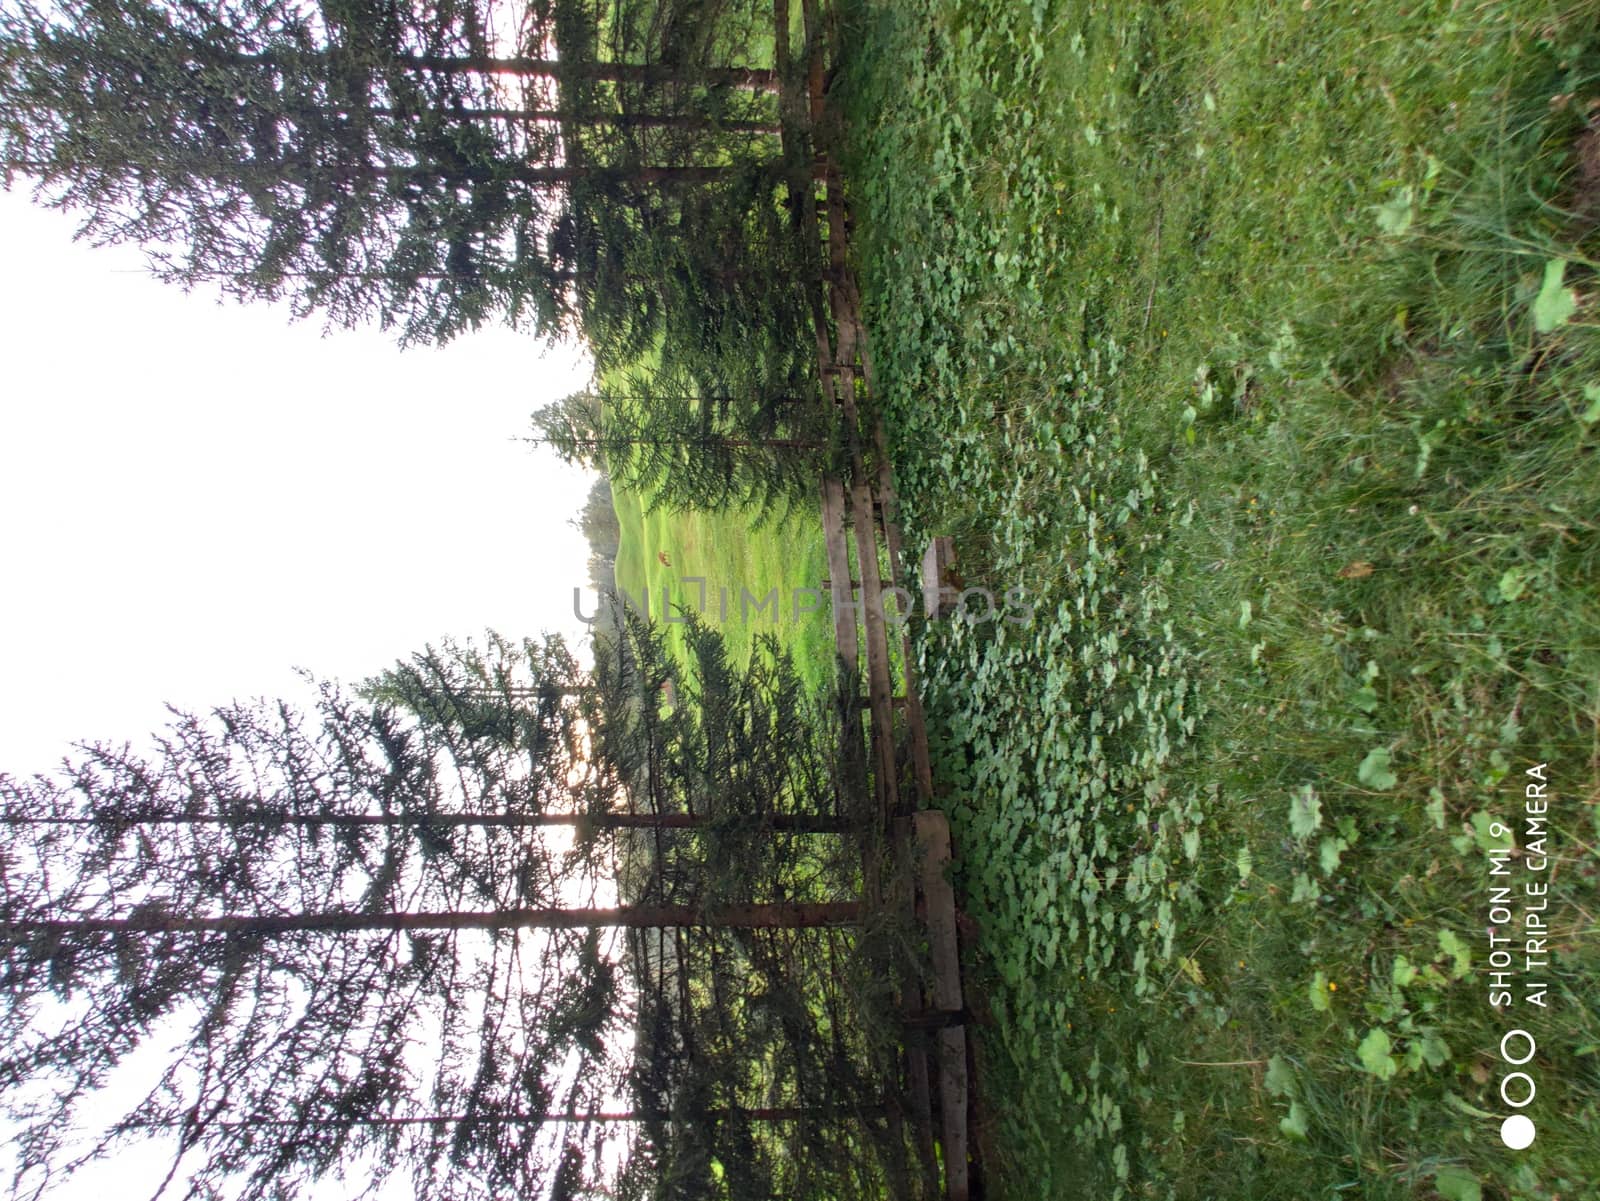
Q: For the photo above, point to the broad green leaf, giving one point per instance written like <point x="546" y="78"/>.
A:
<point x="1330" y="853"/>
<point x="1403" y="972"/>
<point x="1435" y="808"/>
<point x="1458" y="951"/>
<point x="1395" y="214"/>
<point x="1513" y="583"/>
<point x="1374" y="1055"/>
<point x="1591" y="393"/>
<point x="1280" y="1079"/>
<point x="1305" y="811"/>
<point x="1317" y="992"/>
<point x="1374" y="770"/>
<point x="1555" y="304"/>
<point x="1457" y="1184"/>
<point x="1483" y="827"/>
<point x="1294" y="1123"/>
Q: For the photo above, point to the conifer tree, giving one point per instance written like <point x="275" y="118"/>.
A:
<point x="365" y="161"/>
<point x="414" y="991"/>
<point x="298" y="1035"/>
<point x="761" y="453"/>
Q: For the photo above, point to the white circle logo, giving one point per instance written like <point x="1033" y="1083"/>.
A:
<point x="1517" y="1131"/>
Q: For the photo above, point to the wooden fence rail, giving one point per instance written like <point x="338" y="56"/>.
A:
<point x="859" y="513"/>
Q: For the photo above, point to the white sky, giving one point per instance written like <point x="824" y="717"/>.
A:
<point x="196" y="498"/>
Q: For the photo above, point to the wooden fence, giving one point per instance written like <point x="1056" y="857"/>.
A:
<point x="886" y="724"/>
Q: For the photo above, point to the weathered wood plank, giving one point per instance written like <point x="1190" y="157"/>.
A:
<point x="827" y="582"/>
<point x="937" y="562"/>
<point x="916" y="723"/>
<point x="880" y="689"/>
<point x="932" y="833"/>
<point x="953" y="1112"/>
<point x="939" y="907"/>
<point x="837" y="549"/>
<point x="918" y="1047"/>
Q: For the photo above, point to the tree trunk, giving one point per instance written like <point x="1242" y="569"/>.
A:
<point x="230" y="171"/>
<point x="518" y="173"/>
<point x="688" y="121"/>
<point x="798" y="916"/>
<point x="595" y="444"/>
<point x="771" y="1113"/>
<point x="792" y="823"/>
<point x="753" y="79"/>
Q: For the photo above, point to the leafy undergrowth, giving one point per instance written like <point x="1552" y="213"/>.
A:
<point x="1256" y="343"/>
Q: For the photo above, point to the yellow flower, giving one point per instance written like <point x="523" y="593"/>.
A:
<point x="1333" y="986"/>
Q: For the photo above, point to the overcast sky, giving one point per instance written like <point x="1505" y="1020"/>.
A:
<point x="196" y="498"/>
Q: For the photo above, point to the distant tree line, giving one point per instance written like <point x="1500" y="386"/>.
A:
<point x="680" y="449"/>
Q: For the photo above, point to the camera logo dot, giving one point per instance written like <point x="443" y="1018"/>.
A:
<point x="1517" y="1131"/>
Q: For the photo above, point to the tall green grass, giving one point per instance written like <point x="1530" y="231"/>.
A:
<point x="1257" y="342"/>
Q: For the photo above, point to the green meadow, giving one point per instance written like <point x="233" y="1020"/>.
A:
<point x="1257" y="345"/>
<point x="1257" y="342"/>
<point x="735" y="553"/>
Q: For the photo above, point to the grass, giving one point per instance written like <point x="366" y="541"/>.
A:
<point x="741" y="561"/>
<point x="1258" y="343"/>
<point x="741" y="557"/>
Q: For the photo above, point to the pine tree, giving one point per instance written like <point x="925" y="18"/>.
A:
<point x="707" y="278"/>
<point x="761" y="453"/>
<point x="228" y="897"/>
<point x="274" y="948"/>
<point x="359" y="159"/>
